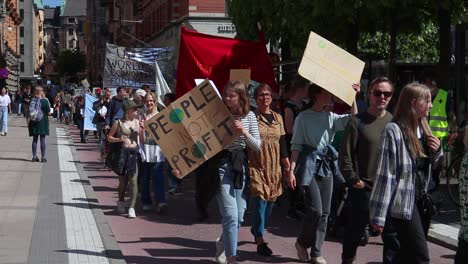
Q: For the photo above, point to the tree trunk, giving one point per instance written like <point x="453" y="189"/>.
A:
<point x="444" y="48"/>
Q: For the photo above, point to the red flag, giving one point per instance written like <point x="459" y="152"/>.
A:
<point x="205" y="56"/>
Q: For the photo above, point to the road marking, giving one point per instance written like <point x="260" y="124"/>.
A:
<point x="83" y="238"/>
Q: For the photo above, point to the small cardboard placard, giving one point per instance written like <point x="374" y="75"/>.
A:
<point x="192" y="129"/>
<point x="331" y="67"/>
<point x="242" y="75"/>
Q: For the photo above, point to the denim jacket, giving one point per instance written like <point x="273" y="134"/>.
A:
<point x="317" y="162"/>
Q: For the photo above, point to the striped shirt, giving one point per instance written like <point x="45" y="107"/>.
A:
<point x="394" y="188"/>
<point x="253" y="141"/>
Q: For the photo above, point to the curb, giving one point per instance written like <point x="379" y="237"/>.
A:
<point x="443" y="235"/>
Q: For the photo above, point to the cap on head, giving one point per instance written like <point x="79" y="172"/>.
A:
<point x="140" y="92"/>
<point x="129" y="104"/>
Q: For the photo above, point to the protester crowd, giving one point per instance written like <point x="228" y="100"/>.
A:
<point x="303" y="145"/>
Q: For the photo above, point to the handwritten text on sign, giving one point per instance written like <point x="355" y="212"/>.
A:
<point x="192" y="129"/>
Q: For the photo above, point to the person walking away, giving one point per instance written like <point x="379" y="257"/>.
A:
<point x="358" y="163"/>
<point x="80" y="118"/>
<point x="314" y="129"/>
<point x="265" y="166"/>
<point x="26" y="100"/>
<point x="40" y="128"/>
<point x="5" y="109"/>
<point x="127" y="131"/>
<point x="19" y="102"/>
<point x="407" y="151"/>
<point x="462" y="251"/>
<point x="292" y="107"/>
<point x="152" y="167"/>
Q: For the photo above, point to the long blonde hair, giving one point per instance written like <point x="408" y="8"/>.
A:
<point x="406" y="116"/>
<point x="241" y="90"/>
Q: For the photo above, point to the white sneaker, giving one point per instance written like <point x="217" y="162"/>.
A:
<point x="302" y="253"/>
<point x="131" y="213"/>
<point x="318" y="260"/>
<point x="121" y="207"/>
<point x="220" y="256"/>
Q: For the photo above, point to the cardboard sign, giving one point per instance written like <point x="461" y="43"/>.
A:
<point x="331" y="67"/>
<point x="192" y="129"/>
<point x="240" y="75"/>
<point x="85" y="84"/>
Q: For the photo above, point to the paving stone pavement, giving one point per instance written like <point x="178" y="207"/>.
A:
<point x="63" y="211"/>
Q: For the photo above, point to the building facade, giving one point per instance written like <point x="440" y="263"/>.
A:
<point x="51" y="43"/>
<point x="10" y="20"/>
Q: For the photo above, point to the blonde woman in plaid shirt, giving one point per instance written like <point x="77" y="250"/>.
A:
<point x="407" y="149"/>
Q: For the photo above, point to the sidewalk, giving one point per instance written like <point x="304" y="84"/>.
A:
<point x="44" y="214"/>
<point x="176" y="237"/>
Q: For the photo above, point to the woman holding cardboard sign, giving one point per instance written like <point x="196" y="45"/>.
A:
<point x="265" y="166"/>
<point x="152" y="166"/>
<point x="232" y="170"/>
<point x="314" y="129"/>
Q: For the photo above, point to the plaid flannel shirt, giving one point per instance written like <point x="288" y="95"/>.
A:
<point x="394" y="187"/>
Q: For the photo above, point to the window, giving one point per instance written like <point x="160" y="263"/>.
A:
<point x="21" y="14"/>
<point x="22" y="32"/>
<point x="71" y="32"/>
<point x="22" y="66"/>
<point x="22" y="49"/>
<point x="45" y="43"/>
<point x="71" y="20"/>
<point x="71" y="44"/>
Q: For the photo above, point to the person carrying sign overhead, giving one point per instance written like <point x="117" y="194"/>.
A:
<point x="316" y="165"/>
<point x="232" y="170"/>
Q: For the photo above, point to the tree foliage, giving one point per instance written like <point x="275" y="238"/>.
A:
<point x="364" y="25"/>
<point x="71" y="62"/>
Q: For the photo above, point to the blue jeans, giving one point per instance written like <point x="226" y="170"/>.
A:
<point x="19" y="105"/>
<point x="173" y="182"/>
<point x="231" y="204"/>
<point x="100" y="131"/>
<point x="3" y="118"/>
<point x="152" y="172"/>
<point x="261" y="211"/>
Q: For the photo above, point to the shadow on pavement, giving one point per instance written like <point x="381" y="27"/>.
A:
<point x="17" y="159"/>
<point x="87" y="205"/>
<point x="112" y="254"/>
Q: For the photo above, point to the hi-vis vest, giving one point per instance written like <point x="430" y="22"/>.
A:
<point x="438" y="116"/>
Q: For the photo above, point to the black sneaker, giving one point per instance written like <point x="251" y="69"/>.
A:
<point x="264" y="250"/>
<point x="44" y="160"/>
<point x="35" y="159"/>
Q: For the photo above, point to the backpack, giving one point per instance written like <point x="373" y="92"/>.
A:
<point x="35" y="111"/>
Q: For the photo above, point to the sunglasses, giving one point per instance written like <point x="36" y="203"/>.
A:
<point x="379" y="94"/>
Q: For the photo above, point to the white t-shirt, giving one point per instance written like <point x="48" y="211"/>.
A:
<point x="5" y="100"/>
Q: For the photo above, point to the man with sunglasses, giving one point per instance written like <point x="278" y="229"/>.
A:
<point x="357" y="161"/>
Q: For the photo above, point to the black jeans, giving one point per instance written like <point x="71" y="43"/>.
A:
<point x="462" y="252"/>
<point x="358" y="219"/>
<point x="391" y="248"/>
<point x="412" y="237"/>
<point x="314" y="225"/>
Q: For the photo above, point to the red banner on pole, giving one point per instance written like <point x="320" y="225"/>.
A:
<point x="205" y="56"/>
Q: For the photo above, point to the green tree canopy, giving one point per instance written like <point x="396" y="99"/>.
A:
<point x="71" y="62"/>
